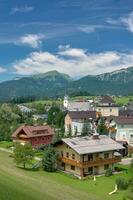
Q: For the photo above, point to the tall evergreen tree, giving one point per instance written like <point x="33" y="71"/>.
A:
<point x="49" y="160"/>
<point x="102" y="128"/>
<point x="86" y="128"/>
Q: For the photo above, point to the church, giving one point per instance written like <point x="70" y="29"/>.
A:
<point x="76" y="105"/>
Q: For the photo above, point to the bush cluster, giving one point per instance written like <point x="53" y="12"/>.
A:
<point x="122" y="183"/>
<point x="108" y="172"/>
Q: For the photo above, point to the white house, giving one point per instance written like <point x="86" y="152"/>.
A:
<point x="124" y="129"/>
<point x="75" y="121"/>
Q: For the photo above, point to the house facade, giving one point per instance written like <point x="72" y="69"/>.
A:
<point x="83" y="156"/>
<point x="123" y="129"/>
<point x="75" y="121"/>
<point x="107" y="107"/>
<point x="35" y="135"/>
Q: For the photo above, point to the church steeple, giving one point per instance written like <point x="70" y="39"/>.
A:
<point x="65" y="101"/>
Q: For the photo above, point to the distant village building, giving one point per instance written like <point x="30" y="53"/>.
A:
<point x="76" y="105"/>
<point x="107" y="107"/>
<point x="40" y="116"/>
<point x="25" y="109"/>
<point x="126" y="113"/>
<point x="123" y="129"/>
<point x="35" y="135"/>
<point x="83" y="156"/>
<point x="75" y="121"/>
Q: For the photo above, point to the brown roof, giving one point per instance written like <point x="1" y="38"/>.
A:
<point x="34" y="131"/>
<point x="123" y="120"/>
<point x="107" y="99"/>
<point x="126" y="113"/>
<point x="82" y="114"/>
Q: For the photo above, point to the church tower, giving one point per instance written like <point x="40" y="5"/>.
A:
<point x="65" y="101"/>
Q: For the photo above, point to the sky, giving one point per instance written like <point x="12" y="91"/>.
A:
<point x="77" y="37"/>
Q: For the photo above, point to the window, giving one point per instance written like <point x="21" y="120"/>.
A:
<point x="106" y="155"/>
<point x="90" y="170"/>
<point x="97" y="155"/>
<point x="61" y="153"/>
<point x="106" y="167"/>
<point x="72" y="167"/>
<point x="73" y="156"/>
<point x="131" y="137"/>
<point x="67" y="154"/>
<point x="124" y="136"/>
<point x="90" y="157"/>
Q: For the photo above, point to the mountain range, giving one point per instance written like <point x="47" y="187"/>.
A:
<point x="53" y="84"/>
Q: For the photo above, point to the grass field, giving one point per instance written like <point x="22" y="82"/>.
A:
<point x="19" y="184"/>
<point x="123" y="100"/>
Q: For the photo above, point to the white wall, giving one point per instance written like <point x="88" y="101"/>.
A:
<point x="125" y="133"/>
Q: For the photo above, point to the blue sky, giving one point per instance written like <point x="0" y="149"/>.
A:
<point x="77" y="37"/>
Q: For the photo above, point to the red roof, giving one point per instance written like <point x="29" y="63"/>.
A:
<point x="34" y="131"/>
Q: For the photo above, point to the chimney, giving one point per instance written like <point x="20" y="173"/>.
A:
<point x="95" y="136"/>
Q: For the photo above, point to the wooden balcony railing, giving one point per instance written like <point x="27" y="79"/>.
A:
<point x="93" y="163"/>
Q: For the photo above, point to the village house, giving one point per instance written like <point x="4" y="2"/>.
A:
<point x="35" y="135"/>
<point x="122" y="129"/>
<point x="107" y="107"/>
<point x="76" y="105"/>
<point x="25" y="109"/>
<point x="83" y="156"/>
<point x="39" y="117"/>
<point x="75" y="121"/>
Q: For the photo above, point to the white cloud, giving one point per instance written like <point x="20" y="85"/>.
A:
<point x="126" y="22"/>
<point x="64" y="47"/>
<point x="2" y="70"/>
<point x="73" y="52"/>
<point x="24" y="9"/>
<point x="32" y="40"/>
<point x="75" y="62"/>
<point x="88" y="28"/>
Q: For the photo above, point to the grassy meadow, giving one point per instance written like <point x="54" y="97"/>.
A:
<point x="19" y="184"/>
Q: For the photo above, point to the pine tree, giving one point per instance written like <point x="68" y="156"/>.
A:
<point x="49" y="160"/>
<point x="69" y="131"/>
<point x="86" y="128"/>
<point x="102" y="128"/>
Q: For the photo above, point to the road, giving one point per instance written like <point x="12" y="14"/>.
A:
<point x="10" y="151"/>
<point x="126" y="161"/>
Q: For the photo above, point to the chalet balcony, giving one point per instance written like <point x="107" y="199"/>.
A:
<point x="97" y="162"/>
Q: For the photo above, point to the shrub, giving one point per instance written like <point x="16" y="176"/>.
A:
<point x="122" y="183"/>
<point x="108" y="172"/>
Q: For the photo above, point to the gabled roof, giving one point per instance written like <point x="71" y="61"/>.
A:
<point x="86" y="145"/>
<point x="82" y="114"/>
<point x="78" y="106"/>
<point x="123" y="120"/>
<point x="34" y="131"/>
<point x="107" y="99"/>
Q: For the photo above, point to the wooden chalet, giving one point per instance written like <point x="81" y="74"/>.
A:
<point x="35" y="135"/>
